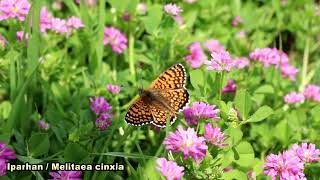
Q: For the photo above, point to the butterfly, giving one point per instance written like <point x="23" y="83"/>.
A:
<point x="166" y="96"/>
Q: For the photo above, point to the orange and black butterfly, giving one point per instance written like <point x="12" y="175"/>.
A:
<point x="166" y="96"/>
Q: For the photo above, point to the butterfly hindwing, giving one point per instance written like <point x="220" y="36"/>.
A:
<point x="177" y="99"/>
<point x="139" y="113"/>
<point x="160" y="116"/>
<point x="172" y="78"/>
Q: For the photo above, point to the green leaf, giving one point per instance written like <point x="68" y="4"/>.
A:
<point x="282" y="130"/>
<point x="149" y="172"/>
<point x="59" y="91"/>
<point x="38" y="144"/>
<point x="119" y="5"/>
<point x="30" y="160"/>
<point x="98" y="45"/>
<point x="191" y="18"/>
<point x="235" y="135"/>
<point x="315" y="112"/>
<point x="226" y="158"/>
<point x="234" y="174"/>
<point x="132" y="5"/>
<point x="196" y="78"/>
<point x="13" y="55"/>
<point x="5" y="108"/>
<point x="261" y="114"/>
<point x="75" y="153"/>
<point x="33" y="52"/>
<point x="5" y="137"/>
<point x="153" y="19"/>
<point x="264" y="89"/>
<point x="243" y="103"/>
<point x="38" y="175"/>
<point x="245" y="153"/>
<point x="72" y="7"/>
<point x="297" y="119"/>
<point x="257" y="166"/>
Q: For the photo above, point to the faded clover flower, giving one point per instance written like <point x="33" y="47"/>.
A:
<point x="14" y="9"/>
<point x="114" y="89"/>
<point x="172" y="9"/>
<point x="42" y="124"/>
<point x="213" y="45"/>
<point x="197" y="56"/>
<point x="236" y="21"/>
<point x="114" y="38"/>
<point x="220" y="61"/>
<point x="169" y="169"/>
<point x="214" y="135"/>
<point x="66" y="175"/>
<point x="200" y="110"/>
<point x="230" y="87"/>
<point x="293" y="98"/>
<point x="103" y="121"/>
<point x="99" y="105"/>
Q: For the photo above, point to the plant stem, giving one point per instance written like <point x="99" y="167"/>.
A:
<point x="305" y="65"/>
<point x="114" y="72"/>
<point x="131" y="55"/>
<point x="221" y="84"/>
<point x="205" y="83"/>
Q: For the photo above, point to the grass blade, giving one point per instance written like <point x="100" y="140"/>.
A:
<point x="125" y="155"/>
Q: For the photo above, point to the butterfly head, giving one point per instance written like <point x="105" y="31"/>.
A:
<point x="146" y="94"/>
<point x="150" y="95"/>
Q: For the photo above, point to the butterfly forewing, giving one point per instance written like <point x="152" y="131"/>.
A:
<point x="139" y="113"/>
<point x="172" y="78"/>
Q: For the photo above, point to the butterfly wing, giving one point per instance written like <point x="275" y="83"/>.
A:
<point x="172" y="78"/>
<point x="171" y="85"/>
<point x="139" y="113"/>
<point x="177" y="98"/>
<point x="160" y="116"/>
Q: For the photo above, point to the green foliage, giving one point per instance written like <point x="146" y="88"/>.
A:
<point x="75" y="153"/>
<point x="153" y="19"/>
<point x="38" y="144"/>
<point x="243" y="103"/>
<point x="261" y="114"/>
<point x="244" y="155"/>
<point x="197" y="79"/>
<point x="235" y="174"/>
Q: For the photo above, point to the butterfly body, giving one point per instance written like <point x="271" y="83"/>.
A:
<point x="153" y="97"/>
<point x="165" y="97"/>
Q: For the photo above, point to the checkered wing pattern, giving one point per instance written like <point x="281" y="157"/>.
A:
<point x="160" y="116"/>
<point x="177" y="98"/>
<point x="172" y="78"/>
<point x="139" y="113"/>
